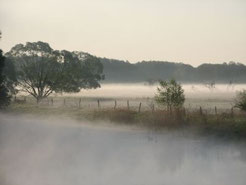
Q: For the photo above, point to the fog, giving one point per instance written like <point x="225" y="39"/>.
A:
<point x="64" y="152"/>
<point x="137" y="90"/>
<point x="221" y="95"/>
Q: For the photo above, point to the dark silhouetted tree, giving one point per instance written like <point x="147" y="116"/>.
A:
<point x="40" y="70"/>
<point x="5" y="96"/>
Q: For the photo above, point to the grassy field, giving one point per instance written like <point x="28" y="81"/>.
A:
<point x="222" y="96"/>
<point x="221" y="122"/>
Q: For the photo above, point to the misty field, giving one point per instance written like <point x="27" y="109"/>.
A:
<point x="222" y="96"/>
<point x="118" y="135"/>
<point x="206" y="110"/>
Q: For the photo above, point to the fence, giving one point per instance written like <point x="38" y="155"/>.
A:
<point x="136" y="104"/>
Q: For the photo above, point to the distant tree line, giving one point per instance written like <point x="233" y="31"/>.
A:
<point x="118" y="71"/>
<point x="38" y="70"/>
<point x="154" y="71"/>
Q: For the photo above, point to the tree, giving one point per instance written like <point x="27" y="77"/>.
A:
<point x="170" y="94"/>
<point x="241" y="100"/>
<point x="210" y="85"/>
<point x="40" y="70"/>
<point x="5" y="96"/>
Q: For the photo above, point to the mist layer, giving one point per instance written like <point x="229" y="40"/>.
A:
<point x="45" y="152"/>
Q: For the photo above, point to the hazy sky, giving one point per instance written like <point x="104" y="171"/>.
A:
<point x="189" y="31"/>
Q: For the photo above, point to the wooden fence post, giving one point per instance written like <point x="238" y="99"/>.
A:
<point x="139" y="108"/>
<point x="153" y="108"/>
<point x="115" y="104"/>
<point x="201" y="110"/>
<point x="128" y="106"/>
<point x="184" y="111"/>
<point x="232" y="112"/>
<point x="79" y="102"/>
<point x="98" y="104"/>
<point x="215" y="110"/>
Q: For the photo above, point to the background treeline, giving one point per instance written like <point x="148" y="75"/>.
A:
<point x="118" y="71"/>
<point x="152" y="71"/>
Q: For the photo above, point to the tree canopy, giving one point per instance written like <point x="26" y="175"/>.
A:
<point x="40" y="70"/>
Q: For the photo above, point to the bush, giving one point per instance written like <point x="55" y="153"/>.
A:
<point x="170" y="94"/>
<point x="241" y="100"/>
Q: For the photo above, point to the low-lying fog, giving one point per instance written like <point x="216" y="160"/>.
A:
<point x="56" y="152"/>
<point x="139" y="90"/>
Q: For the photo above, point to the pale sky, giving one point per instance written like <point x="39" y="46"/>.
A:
<point x="189" y="31"/>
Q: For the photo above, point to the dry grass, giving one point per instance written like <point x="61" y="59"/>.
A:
<point x="224" y="124"/>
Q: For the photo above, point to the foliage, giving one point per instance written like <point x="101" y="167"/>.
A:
<point x="120" y="71"/>
<point x="241" y="100"/>
<point x="40" y="70"/>
<point x="5" y="96"/>
<point x="10" y="76"/>
<point x="170" y="94"/>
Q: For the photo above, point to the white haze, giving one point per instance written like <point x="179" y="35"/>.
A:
<point x="141" y="90"/>
<point x="62" y="152"/>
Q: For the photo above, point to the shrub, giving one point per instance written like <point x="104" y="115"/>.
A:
<point x="241" y="100"/>
<point x="170" y="94"/>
